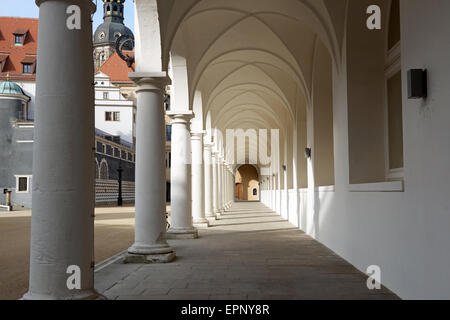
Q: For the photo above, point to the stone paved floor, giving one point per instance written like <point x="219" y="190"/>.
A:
<point x="250" y="253"/>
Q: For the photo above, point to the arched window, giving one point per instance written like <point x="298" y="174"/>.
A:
<point x="104" y="172"/>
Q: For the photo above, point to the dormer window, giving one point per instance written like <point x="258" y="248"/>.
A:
<point x="28" y="65"/>
<point x="18" y="40"/>
<point x="19" y="37"/>
<point x="26" y="68"/>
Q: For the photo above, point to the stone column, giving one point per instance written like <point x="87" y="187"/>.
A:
<point x="274" y="201"/>
<point x="150" y="218"/>
<point x="231" y="186"/>
<point x="227" y="171"/>
<point x="215" y="165"/>
<point x="208" y="167"/>
<point x="220" y="184"/>
<point x="198" y="203"/>
<point x="62" y="224"/>
<point x="180" y="175"/>
<point x="224" y="185"/>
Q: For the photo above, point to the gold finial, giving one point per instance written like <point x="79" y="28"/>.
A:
<point x="7" y="76"/>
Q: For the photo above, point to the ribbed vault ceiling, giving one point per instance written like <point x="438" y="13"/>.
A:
<point x="251" y="60"/>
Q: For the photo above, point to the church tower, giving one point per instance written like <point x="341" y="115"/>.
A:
<point x="107" y="33"/>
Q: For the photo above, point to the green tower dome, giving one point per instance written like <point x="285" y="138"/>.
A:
<point x="11" y="88"/>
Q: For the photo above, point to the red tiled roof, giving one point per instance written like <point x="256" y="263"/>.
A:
<point x="17" y="54"/>
<point x="116" y="69"/>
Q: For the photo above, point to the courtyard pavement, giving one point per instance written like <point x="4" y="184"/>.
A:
<point x="251" y="253"/>
<point x="114" y="232"/>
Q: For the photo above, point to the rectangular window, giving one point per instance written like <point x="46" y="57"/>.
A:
<point x="99" y="147"/>
<point x="18" y="40"/>
<point x="23" y="184"/>
<point x="26" y="68"/>
<point x="109" y="150"/>
<point x="168" y="133"/>
<point x="105" y="95"/>
<point x="112" y="116"/>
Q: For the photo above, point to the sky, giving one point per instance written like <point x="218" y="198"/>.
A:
<point x="28" y="9"/>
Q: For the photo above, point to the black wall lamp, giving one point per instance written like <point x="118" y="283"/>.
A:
<point x="284" y="167"/>
<point x="307" y="153"/>
<point x="417" y="84"/>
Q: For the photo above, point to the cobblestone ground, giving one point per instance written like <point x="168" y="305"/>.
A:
<point x="114" y="232"/>
<point x="250" y="253"/>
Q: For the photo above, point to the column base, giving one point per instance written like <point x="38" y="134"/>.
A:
<point x="150" y="249"/>
<point x="149" y="258"/>
<point x="80" y="295"/>
<point x="211" y="219"/>
<point x="201" y="223"/>
<point x="182" y="233"/>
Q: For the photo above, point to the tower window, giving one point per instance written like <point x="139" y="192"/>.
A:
<point x="23" y="114"/>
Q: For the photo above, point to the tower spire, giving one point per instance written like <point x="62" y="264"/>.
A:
<point x="113" y="10"/>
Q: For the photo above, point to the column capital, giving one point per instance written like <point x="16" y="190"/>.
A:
<point x="180" y="117"/>
<point x="150" y="81"/>
<point x="197" y="135"/>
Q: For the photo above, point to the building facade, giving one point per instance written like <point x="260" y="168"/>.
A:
<point x="114" y="139"/>
<point x="16" y="145"/>
<point x="115" y="113"/>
